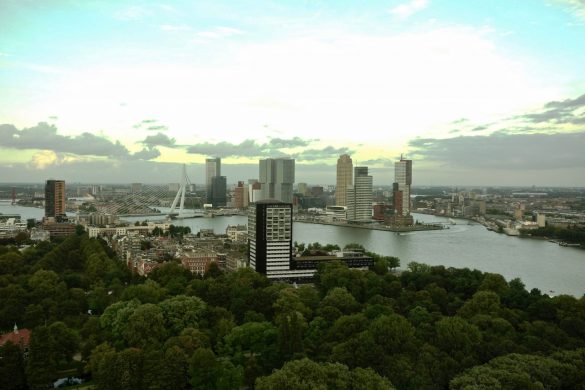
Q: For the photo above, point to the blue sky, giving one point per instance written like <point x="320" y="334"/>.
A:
<point x="140" y="84"/>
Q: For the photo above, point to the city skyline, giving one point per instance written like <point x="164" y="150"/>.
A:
<point x="115" y="92"/>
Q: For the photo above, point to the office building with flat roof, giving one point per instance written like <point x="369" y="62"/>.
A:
<point x="344" y="179"/>
<point x="359" y="196"/>
<point x="277" y="176"/>
<point x="55" y="198"/>
<point x="212" y="169"/>
<point x="403" y="180"/>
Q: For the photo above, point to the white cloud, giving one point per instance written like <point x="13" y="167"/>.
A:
<point x="576" y="6"/>
<point x="43" y="159"/>
<point x="173" y="28"/>
<point x="131" y="13"/>
<point x="408" y="9"/>
<point x="334" y="86"/>
<point x="219" y="32"/>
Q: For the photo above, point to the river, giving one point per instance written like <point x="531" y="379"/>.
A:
<point x="540" y="264"/>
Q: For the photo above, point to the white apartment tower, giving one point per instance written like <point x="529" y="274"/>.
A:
<point x="277" y="176"/>
<point x="359" y="196"/>
<point x="344" y="179"/>
<point x="270" y="237"/>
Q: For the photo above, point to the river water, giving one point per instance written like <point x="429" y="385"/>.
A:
<point x="540" y="264"/>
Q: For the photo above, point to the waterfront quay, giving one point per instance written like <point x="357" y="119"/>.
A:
<point x="375" y="226"/>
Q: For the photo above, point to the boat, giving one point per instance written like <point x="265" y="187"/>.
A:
<point x="452" y="221"/>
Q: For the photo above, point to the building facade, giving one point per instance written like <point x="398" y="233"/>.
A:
<point x="344" y="179"/>
<point x="240" y="199"/>
<point x="403" y="180"/>
<point x="359" y="196"/>
<point x="55" y="198"/>
<point x="218" y="191"/>
<point x="277" y="176"/>
<point x="270" y="237"/>
<point x="212" y="169"/>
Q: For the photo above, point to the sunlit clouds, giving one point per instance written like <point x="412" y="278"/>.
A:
<point x="179" y="82"/>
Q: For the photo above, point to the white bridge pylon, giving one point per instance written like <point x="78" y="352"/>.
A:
<point x="181" y="193"/>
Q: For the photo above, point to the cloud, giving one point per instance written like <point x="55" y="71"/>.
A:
<point x="408" y="9"/>
<point x="151" y="125"/>
<point x="174" y="28"/>
<point x="158" y="128"/>
<point x="385" y="162"/>
<point x="288" y="143"/>
<point x="219" y="32"/>
<point x="145" y="154"/>
<point x="577" y="7"/>
<point x="43" y="159"/>
<point x="249" y="148"/>
<point x="505" y="151"/>
<point x="569" y="111"/>
<point x="159" y="139"/>
<point x="321" y="154"/>
<point x="44" y="137"/>
<point x="131" y="13"/>
<point x="479" y="128"/>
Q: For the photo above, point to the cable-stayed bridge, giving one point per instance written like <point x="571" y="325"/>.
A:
<point x="146" y="200"/>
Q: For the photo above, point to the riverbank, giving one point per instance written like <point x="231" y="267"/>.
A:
<point x="394" y="229"/>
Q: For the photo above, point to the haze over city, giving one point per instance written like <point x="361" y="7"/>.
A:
<point x="124" y="91"/>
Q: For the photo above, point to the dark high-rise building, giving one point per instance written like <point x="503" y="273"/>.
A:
<point x="218" y="191"/>
<point x="55" y="198"/>
<point x="270" y="237"/>
<point x="212" y="169"/>
<point x="277" y="176"/>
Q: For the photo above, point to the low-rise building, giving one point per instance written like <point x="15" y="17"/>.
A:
<point x="198" y="262"/>
<point x="237" y="233"/>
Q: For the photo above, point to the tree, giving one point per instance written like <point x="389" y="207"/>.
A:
<point x="65" y="342"/>
<point x="483" y="302"/>
<point x="459" y="338"/>
<point x="203" y="369"/>
<point x="340" y="299"/>
<point x="307" y="375"/>
<point x="12" y="376"/>
<point x="41" y="367"/>
<point x="145" y="326"/>
<point x="520" y="372"/>
<point x="103" y="366"/>
<point x="181" y="312"/>
<point x="148" y="292"/>
<point x="259" y="339"/>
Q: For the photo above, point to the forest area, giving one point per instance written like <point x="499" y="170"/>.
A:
<point x="427" y="327"/>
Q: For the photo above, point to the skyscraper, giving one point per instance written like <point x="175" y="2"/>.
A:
<point x="277" y="176"/>
<point x="344" y="179"/>
<point x="218" y="190"/>
<point x="401" y="188"/>
<point x="270" y="237"/>
<point x="359" y="196"/>
<point x="55" y="198"/>
<point x="212" y="169"/>
<point x="240" y="193"/>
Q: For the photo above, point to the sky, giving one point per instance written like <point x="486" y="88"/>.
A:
<point x="474" y="92"/>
